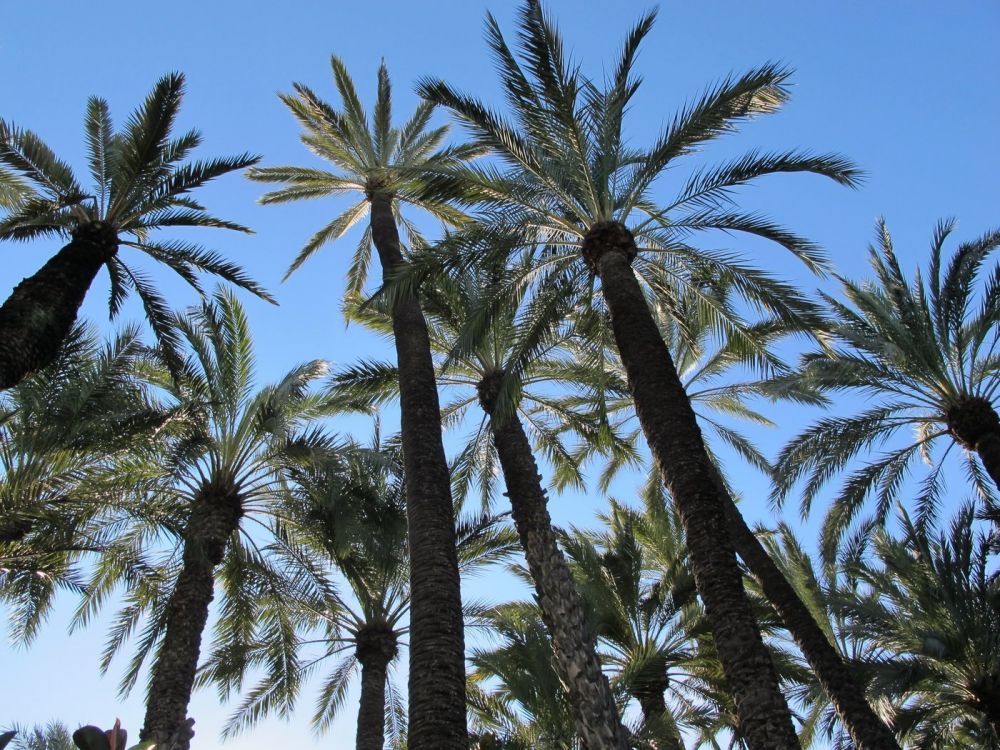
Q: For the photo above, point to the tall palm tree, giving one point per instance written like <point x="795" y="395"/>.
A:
<point x="224" y="470"/>
<point x="504" y="365"/>
<point x="583" y="196"/>
<point x="385" y="165"/>
<point x="701" y="362"/>
<point x="926" y="352"/>
<point x="141" y="184"/>
<point x="926" y="611"/>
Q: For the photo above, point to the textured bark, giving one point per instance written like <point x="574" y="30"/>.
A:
<point x="437" y="719"/>
<point x="865" y="728"/>
<point x="38" y="315"/>
<point x="574" y="647"/>
<point x="674" y="439"/>
<point x="376" y="648"/>
<point x="214" y="517"/>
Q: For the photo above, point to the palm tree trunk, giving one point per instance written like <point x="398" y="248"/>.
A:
<point x="437" y="642"/>
<point x="376" y="648"/>
<point x="657" y="732"/>
<point x="573" y="646"/>
<point x="865" y="728"/>
<point x="38" y="315"/>
<point x="975" y="425"/>
<point x="674" y="439"/>
<point x="988" y="450"/>
<point x="214" y="518"/>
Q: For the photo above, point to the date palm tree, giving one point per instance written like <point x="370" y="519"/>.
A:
<point x="583" y="198"/>
<point x="141" y="183"/>
<point x="925" y="351"/>
<point x="501" y="364"/>
<point x="704" y="366"/>
<point x="384" y="164"/>
<point x="223" y="471"/>
<point x="347" y="511"/>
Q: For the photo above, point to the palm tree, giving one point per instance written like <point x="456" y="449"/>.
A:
<point x="926" y="612"/>
<point x="504" y="364"/>
<point x="141" y="184"/>
<point x="51" y="736"/>
<point x="224" y="468"/>
<point x="347" y="510"/>
<point x="64" y="433"/>
<point x="583" y="198"/>
<point x="926" y="352"/>
<point x="385" y="165"/>
<point x="647" y="622"/>
<point x="700" y="364"/>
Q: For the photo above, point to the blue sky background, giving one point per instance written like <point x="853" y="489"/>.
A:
<point x="906" y="89"/>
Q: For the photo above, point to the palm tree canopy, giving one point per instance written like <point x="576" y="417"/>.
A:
<point x="924" y="351"/>
<point x="141" y="182"/>
<point x="566" y="169"/>
<point x="369" y="156"/>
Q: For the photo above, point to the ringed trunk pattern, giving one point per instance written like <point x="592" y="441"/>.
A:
<point x="38" y="315"/>
<point x="573" y="646"/>
<point x="213" y="520"/>
<point x="376" y="648"/>
<point x="437" y="719"/>
<point x="675" y="440"/>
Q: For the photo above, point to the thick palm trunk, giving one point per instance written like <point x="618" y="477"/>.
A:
<point x="672" y="432"/>
<point x="437" y="643"/>
<point x="574" y="647"/>
<point x="214" y="518"/>
<point x="38" y="315"/>
<point x="376" y="648"/>
<point x="865" y="728"/>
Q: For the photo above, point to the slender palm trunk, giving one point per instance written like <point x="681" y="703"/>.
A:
<point x="673" y="436"/>
<point x="865" y="728"/>
<point x="376" y="648"/>
<point x="214" y="517"/>
<point x="38" y="315"/>
<point x="437" y="718"/>
<point x="574" y="647"/>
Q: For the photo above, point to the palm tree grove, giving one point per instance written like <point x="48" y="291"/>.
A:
<point x="525" y="375"/>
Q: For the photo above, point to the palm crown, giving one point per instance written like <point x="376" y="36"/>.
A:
<point x="565" y="168"/>
<point x="370" y="156"/>
<point x="926" y="350"/>
<point x="141" y="183"/>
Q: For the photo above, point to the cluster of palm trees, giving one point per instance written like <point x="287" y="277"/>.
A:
<point x="567" y="310"/>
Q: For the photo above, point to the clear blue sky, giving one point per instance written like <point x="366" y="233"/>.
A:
<point x="907" y="89"/>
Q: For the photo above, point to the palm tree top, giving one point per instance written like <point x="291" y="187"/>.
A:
<point x="370" y="156"/>
<point x="142" y="181"/>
